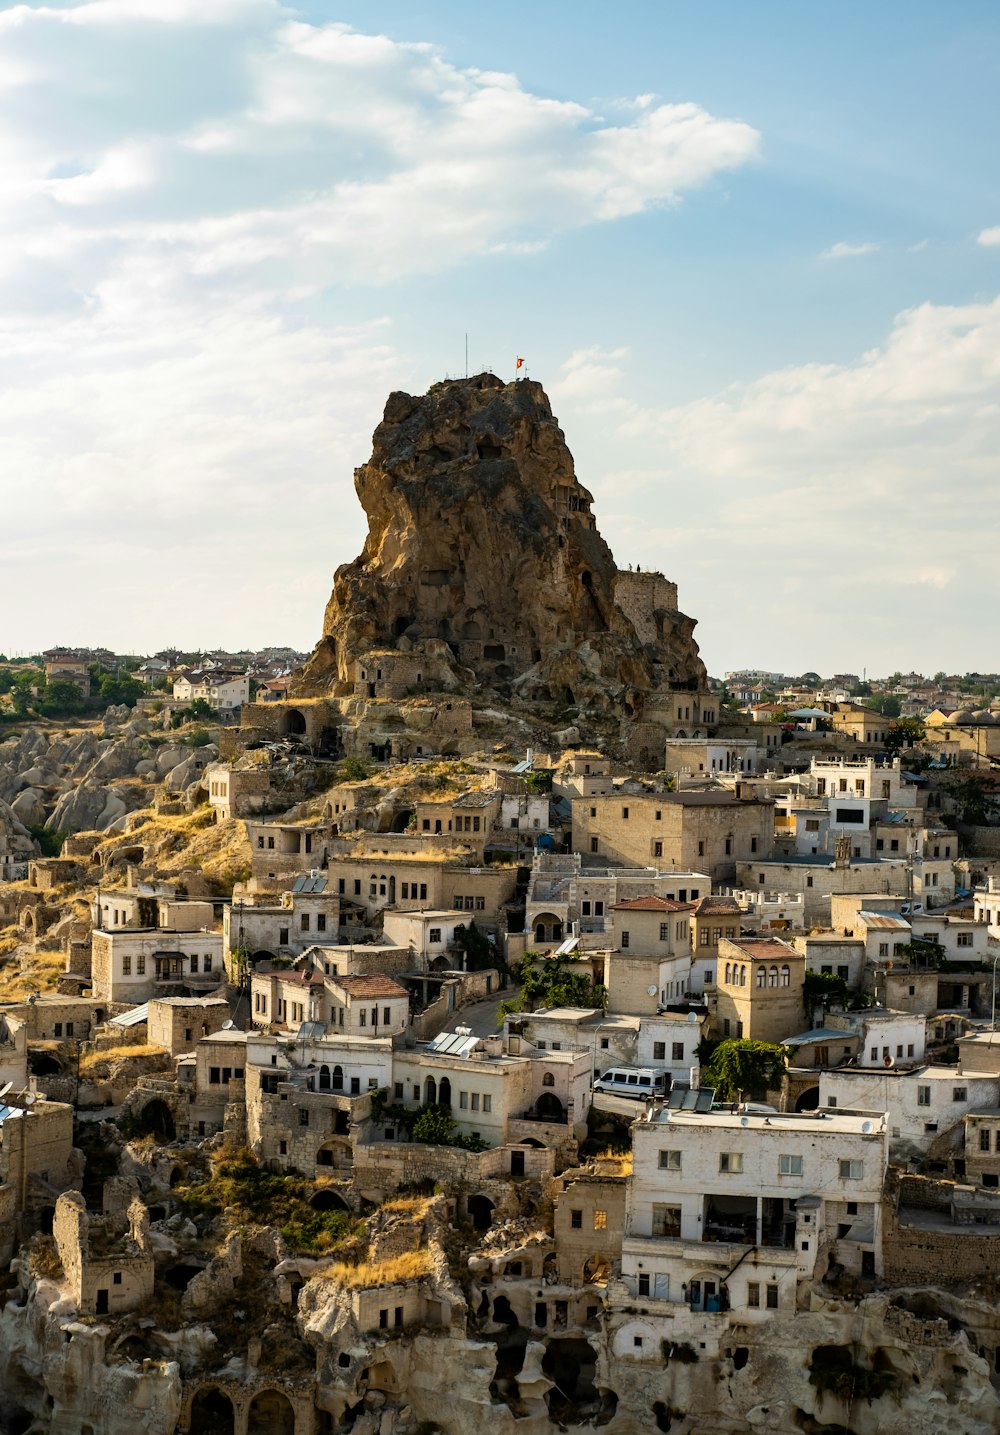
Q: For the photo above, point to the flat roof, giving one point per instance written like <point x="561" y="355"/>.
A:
<point x="866" y="1124"/>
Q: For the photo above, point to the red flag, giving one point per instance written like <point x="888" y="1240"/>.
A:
<point x="519" y="363"/>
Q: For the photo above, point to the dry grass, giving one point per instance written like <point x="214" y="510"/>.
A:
<point x="41" y="973"/>
<point x="96" y="1060"/>
<point x="399" y="1270"/>
<point x="614" y="1163"/>
<point x="416" y="1206"/>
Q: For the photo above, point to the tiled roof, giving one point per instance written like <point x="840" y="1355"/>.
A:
<point x="653" y="904"/>
<point x="765" y="949"/>
<point x="370" y="986"/>
<point x="723" y="906"/>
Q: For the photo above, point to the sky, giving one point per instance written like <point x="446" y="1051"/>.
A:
<point x="751" y="250"/>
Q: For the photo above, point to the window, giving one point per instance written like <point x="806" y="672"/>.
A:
<point x="126" y="966"/>
<point x="593" y="845"/>
<point x="625" y="940"/>
<point x="666" y="1221"/>
<point x="703" y="936"/>
<point x="576" y="1220"/>
<point x="753" y="1295"/>
<point x="670" y="1160"/>
<point x="659" y="1050"/>
<point x="664" y="931"/>
<point x="851" y="1170"/>
<point x="303" y="1116"/>
<point x="644" y="1284"/>
<point x="984" y="1140"/>
<point x="593" y="812"/>
<point x="772" y="1297"/>
<point x="386" y="1016"/>
<point x="923" y="1096"/>
<point x="677" y="1051"/>
<point x="657" y="849"/>
<point x="789" y="1165"/>
<point x="434" y="936"/>
<point x="214" y="1076"/>
<point x="730" y="1162"/>
<point x="753" y="844"/>
<point x="282" y="936"/>
<point x="487" y="1103"/>
<point x="362" y="1017"/>
<point x="397" y="1090"/>
<point x="964" y="939"/>
<point x="475" y="1101"/>
<point x="729" y="846"/>
<point x="194" y="964"/>
<point x="463" y="1100"/>
<point x="959" y="1093"/>
<point x="304" y="921"/>
<point x="600" y="1220"/>
<point x="321" y="921"/>
<point x="624" y="814"/>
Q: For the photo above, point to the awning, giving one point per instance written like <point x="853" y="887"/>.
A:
<point x="135" y="1017"/>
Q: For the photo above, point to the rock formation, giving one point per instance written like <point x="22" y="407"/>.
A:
<point x="483" y="569"/>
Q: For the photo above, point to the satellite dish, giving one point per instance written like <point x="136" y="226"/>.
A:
<point x="651" y="991"/>
<point x="30" y="1098"/>
<point x="744" y="1120"/>
<point x="5" y="1088"/>
<point x="228" y="1025"/>
<point x="866" y="1126"/>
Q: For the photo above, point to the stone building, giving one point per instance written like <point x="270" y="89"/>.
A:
<point x="102" y="1281"/>
<point x="178" y="1023"/>
<point x="133" y="966"/>
<point x="650" y="962"/>
<point x="711" y="918"/>
<point x="731" y="1210"/>
<point x="708" y="831"/>
<point x="758" y="990"/>
<point x="36" y="1164"/>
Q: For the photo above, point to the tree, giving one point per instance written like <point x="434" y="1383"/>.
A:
<point x="904" y="732"/>
<point x="822" y="988"/>
<point x="113" y="691"/>
<point x="741" y="1069"/>
<point x="479" y="952"/>
<point x="888" y="704"/>
<point x="551" y="981"/>
<point x="977" y="797"/>
<point x="62" y="699"/>
<point x="200" y="711"/>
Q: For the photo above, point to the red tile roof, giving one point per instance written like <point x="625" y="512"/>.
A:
<point x="653" y="904"/>
<point x="374" y="985"/>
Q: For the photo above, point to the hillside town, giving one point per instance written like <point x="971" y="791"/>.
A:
<point x="493" y="1001"/>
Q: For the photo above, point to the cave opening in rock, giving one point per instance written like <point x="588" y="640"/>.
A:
<point x="328" y="1201"/>
<point x="571" y="1364"/>
<point x="212" y="1413"/>
<point x="156" y="1119"/>
<point x="271" y="1413"/>
<point x="180" y="1274"/>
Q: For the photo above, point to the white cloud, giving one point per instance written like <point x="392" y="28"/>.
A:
<point x="357" y="155"/>
<point x="191" y="193"/>
<point x="843" y="250"/>
<point x="989" y="238"/>
<point x="866" y="489"/>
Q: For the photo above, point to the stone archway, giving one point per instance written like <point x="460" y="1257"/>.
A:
<point x="212" y="1413"/>
<point x="327" y="1200"/>
<point x="808" y="1099"/>
<point x="480" y="1209"/>
<point x="270" y="1413"/>
<point x="549" y="1107"/>
<point x="156" y="1119"/>
<point x="295" y="723"/>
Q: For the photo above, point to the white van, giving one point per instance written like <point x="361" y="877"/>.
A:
<point x="639" y="1082"/>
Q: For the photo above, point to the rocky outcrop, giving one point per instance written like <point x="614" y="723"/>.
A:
<point x="483" y="568"/>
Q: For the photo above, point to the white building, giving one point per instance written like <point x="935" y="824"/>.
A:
<point x="224" y="692"/>
<point x="429" y="936"/>
<point x="132" y="966"/>
<point x="924" y="1108"/>
<point x="731" y="1210"/>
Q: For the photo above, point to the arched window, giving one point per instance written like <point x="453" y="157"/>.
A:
<point x="381" y="885"/>
<point x="337" y="1080"/>
<point x="773" y="977"/>
<point x="761" y="976"/>
<point x="548" y="1079"/>
<point x="743" y="976"/>
<point x="728" y="974"/>
<point x="786" y="976"/>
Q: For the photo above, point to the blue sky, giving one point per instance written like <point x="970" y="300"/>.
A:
<point x="752" y="251"/>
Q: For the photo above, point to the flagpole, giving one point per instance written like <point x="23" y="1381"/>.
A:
<point x="466" y="356"/>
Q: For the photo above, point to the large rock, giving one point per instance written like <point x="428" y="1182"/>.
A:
<point x="483" y="560"/>
<point x="88" y="808"/>
<point x="28" y="807"/>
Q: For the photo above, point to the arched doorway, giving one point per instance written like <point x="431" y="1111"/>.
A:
<point x="295" y="723"/>
<point x="480" y="1210"/>
<point x="211" y="1413"/>
<point x="808" y="1099"/>
<point x="270" y="1413"/>
<point x="596" y="1271"/>
<point x="337" y="1079"/>
<point x="44" y="1063"/>
<point x="430" y="1092"/>
<point x="157" y="1120"/>
<point x="444" y="1092"/>
<point x="548" y="927"/>
<point x="549" y="1107"/>
<point x="329" y="1201"/>
<point x="324" y="1078"/>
